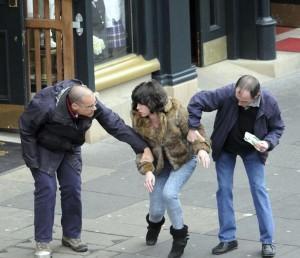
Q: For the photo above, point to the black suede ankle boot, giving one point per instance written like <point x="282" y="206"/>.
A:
<point x="153" y="230"/>
<point x="180" y="238"/>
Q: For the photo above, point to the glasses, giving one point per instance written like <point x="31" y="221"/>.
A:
<point x="92" y="107"/>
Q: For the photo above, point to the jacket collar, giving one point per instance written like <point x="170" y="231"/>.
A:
<point x="61" y="113"/>
<point x="262" y="107"/>
<point x="168" y="105"/>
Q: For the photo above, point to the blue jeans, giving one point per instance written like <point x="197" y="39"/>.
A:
<point x="165" y="193"/>
<point x="256" y="176"/>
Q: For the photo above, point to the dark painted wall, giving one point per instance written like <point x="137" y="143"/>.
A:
<point x="250" y="30"/>
<point x="83" y="45"/>
<point x="247" y="29"/>
<point x="173" y="42"/>
<point x="12" y="55"/>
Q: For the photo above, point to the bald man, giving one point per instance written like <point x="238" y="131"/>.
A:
<point x="52" y="129"/>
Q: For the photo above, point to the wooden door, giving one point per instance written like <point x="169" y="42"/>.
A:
<point x="49" y="40"/>
<point x="36" y="50"/>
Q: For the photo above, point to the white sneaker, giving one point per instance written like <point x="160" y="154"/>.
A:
<point x="42" y="250"/>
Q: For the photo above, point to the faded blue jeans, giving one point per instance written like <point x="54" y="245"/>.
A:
<point x="255" y="170"/>
<point x="165" y="193"/>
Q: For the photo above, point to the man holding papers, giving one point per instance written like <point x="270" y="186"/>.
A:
<point x="245" y="113"/>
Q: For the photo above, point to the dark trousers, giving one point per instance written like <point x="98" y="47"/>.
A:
<point x="44" y="202"/>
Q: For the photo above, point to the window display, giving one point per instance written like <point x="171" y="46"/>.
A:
<point x="109" y="30"/>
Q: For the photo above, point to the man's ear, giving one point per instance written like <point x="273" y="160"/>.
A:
<point x="74" y="106"/>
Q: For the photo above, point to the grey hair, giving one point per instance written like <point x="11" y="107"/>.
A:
<point x="77" y="92"/>
<point x="248" y="83"/>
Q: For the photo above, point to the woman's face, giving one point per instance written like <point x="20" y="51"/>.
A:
<point x="143" y="110"/>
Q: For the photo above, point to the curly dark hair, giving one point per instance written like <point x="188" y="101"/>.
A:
<point x="150" y="94"/>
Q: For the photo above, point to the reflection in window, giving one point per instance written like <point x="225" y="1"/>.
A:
<point x="109" y="29"/>
<point x="41" y="15"/>
<point x="41" y="8"/>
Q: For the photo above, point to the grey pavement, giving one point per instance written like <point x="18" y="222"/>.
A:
<point x="115" y="201"/>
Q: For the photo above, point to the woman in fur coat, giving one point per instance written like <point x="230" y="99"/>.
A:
<point x="163" y="123"/>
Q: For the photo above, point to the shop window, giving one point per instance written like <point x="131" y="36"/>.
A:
<point x="111" y="29"/>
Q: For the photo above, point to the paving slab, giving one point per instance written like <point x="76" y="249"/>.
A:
<point x="13" y="189"/>
<point x="10" y="156"/>
<point x="94" y="204"/>
<point x="292" y="253"/>
<point x="13" y="252"/>
<point x="137" y="255"/>
<point x="13" y="219"/>
<point x="109" y="154"/>
<point x="286" y="230"/>
<point x="124" y="182"/>
<point x="287" y="207"/>
<point x="6" y="242"/>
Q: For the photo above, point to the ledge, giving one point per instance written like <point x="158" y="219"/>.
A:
<point x="122" y="70"/>
<point x="9" y="116"/>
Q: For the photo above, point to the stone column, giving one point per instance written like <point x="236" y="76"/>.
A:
<point x="173" y="42"/>
<point x="265" y="27"/>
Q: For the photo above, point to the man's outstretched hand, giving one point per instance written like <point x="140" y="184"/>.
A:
<point x="147" y="155"/>
<point x="194" y="135"/>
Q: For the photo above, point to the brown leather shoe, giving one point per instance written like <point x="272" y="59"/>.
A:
<point x="75" y="244"/>
<point x="224" y="247"/>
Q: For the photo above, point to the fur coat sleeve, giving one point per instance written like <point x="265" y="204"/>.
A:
<point x="201" y="144"/>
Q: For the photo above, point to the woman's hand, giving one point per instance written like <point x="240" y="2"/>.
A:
<point x="149" y="181"/>
<point x="203" y="158"/>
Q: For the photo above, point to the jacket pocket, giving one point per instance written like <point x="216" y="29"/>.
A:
<point x="75" y="161"/>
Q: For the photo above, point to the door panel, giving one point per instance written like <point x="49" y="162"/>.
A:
<point x="50" y="49"/>
<point x="212" y="16"/>
<point x="12" y="64"/>
<point x="208" y="28"/>
<point x="3" y="65"/>
<point x="12" y="76"/>
<point x="44" y="29"/>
